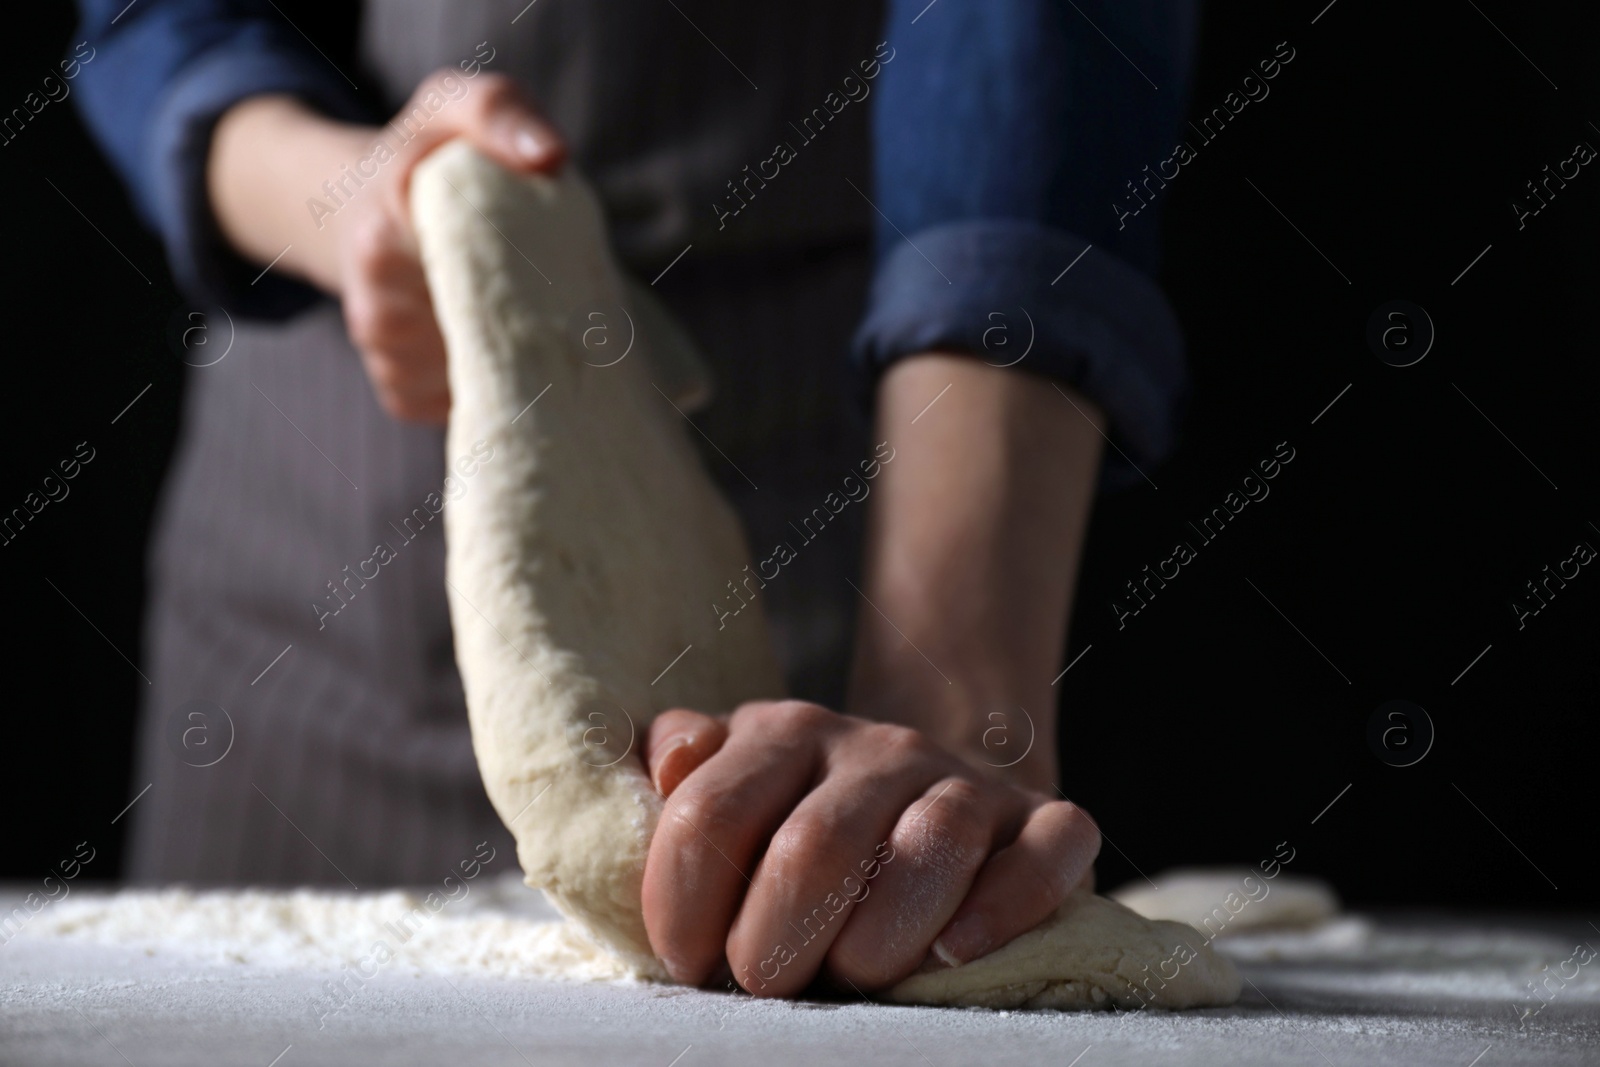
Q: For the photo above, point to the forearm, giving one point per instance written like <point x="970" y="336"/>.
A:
<point x="972" y="551"/>
<point x="269" y="157"/>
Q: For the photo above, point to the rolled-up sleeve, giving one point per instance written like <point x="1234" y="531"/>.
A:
<point x="1007" y="136"/>
<point x="158" y="75"/>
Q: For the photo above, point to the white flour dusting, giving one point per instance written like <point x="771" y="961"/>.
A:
<point x="499" y="928"/>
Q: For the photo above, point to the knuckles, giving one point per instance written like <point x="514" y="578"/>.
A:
<point x="376" y="250"/>
<point x="386" y="330"/>
<point x="1079" y="824"/>
<point x="787" y="720"/>
<point x="493" y="92"/>
<point x="799" y="845"/>
<point x="895" y="742"/>
<point x="489" y="93"/>
<point x="399" y="387"/>
<point x="698" y="815"/>
<point x="951" y="830"/>
<point x="1069" y="827"/>
<point x="369" y="327"/>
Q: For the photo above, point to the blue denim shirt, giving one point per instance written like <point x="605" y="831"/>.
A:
<point x="1005" y="131"/>
<point x="164" y="72"/>
<point x="1004" y="134"/>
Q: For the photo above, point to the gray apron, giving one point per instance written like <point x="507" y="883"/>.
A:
<point x="287" y="745"/>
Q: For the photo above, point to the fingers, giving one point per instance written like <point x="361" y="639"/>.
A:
<point x="1023" y="883"/>
<point x="678" y="742"/>
<point x="934" y="853"/>
<point x="490" y="111"/>
<point x="387" y="308"/>
<point x="389" y="316"/>
<point x="715" y="824"/>
<point x="796" y="841"/>
<point x="818" y="865"/>
<point x="503" y="123"/>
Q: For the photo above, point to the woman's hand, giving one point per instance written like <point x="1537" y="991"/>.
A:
<point x="797" y="841"/>
<point x="337" y="196"/>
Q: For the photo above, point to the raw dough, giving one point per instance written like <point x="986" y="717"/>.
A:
<point x="1220" y="901"/>
<point x="1093" y="953"/>
<point x="583" y="559"/>
<point x="585" y="555"/>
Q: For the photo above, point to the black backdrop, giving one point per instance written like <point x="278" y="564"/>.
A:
<point x="1226" y="715"/>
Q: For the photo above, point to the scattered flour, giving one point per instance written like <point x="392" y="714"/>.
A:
<point x="499" y="928"/>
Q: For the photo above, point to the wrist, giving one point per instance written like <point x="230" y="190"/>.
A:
<point x="268" y="160"/>
<point x="971" y="558"/>
<point x="998" y="718"/>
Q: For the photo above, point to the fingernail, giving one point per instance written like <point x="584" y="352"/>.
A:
<point x="661" y="759"/>
<point x="963" y="941"/>
<point x="529" y="146"/>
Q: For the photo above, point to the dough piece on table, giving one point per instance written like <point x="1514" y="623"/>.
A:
<point x="1217" y="901"/>
<point x="584" y="556"/>
<point x="1092" y="953"/>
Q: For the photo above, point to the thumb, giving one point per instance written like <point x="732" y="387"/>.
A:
<point x="505" y="125"/>
<point x="490" y="112"/>
<point x="679" y="741"/>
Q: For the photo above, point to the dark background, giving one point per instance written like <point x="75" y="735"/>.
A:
<point x="1208" y="728"/>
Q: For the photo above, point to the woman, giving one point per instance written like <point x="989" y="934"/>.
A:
<point x="731" y="154"/>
